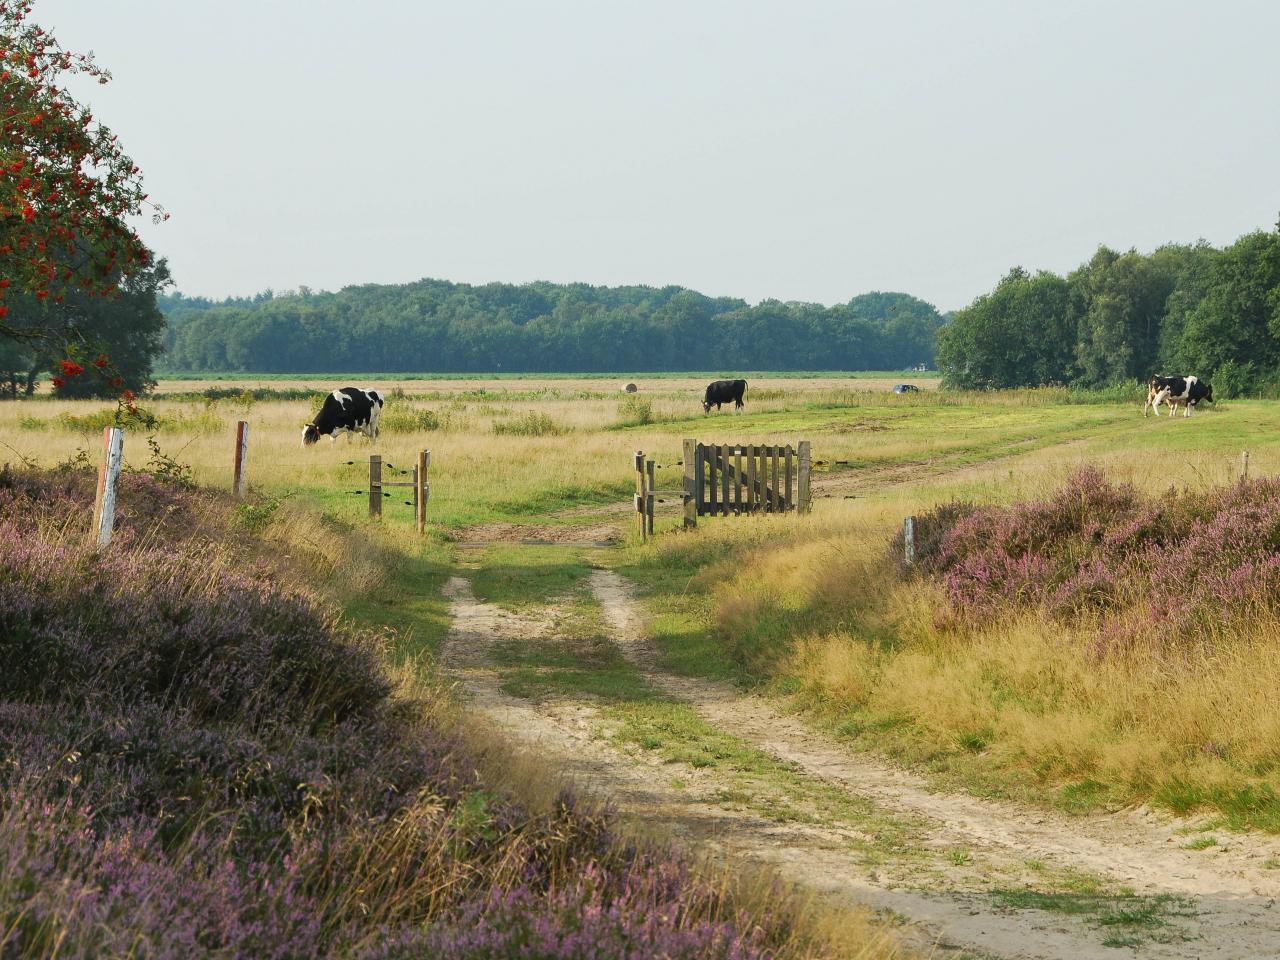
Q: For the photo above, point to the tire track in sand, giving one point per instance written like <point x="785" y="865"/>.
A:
<point x="1233" y="907"/>
<point x="1234" y="895"/>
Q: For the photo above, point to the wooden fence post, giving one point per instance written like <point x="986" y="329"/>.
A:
<point x="805" y="467"/>
<point x="104" y="501"/>
<point x="242" y="450"/>
<point x="690" y="484"/>
<point x="648" y="500"/>
<point x="638" y="462"/>
<point x="375" y="486"/>
<point x="416" y="502"/>
<point x="1244" y="465"/>
<point x="909" y="541"/>
<point x="422" y="490"/>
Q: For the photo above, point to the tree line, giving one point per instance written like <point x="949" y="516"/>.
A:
<point x="1189" y="309"/>
<point x="438" y="326"/>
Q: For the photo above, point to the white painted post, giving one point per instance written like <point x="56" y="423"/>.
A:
<point x="909" y="541"/>
<point x="104" y="502"/>
<point x="242" y="450"/>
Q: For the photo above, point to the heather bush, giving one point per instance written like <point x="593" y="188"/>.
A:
<point x="1170" y="569"/>
<point x="197" y="761"/>
<point x="586" y="919"/>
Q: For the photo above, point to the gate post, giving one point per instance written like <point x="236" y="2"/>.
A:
<point x="649" y="485"/>
<point x="421" y="490"/>
<point x="803" y="501"/>
<point x="690" y="484"/>
<point x="638" y="461"/>
<point x="375" y="486"/>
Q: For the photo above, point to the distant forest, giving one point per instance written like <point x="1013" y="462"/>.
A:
<point x="437" y="326"/>
<point x="1181" y="309"/>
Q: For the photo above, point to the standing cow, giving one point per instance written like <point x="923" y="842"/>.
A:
<point x="1187" y="391"/>
<point x="722" y="391"/>
<point x="348" y="409"/>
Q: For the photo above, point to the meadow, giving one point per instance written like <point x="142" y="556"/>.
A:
<point x="816" y="612"/>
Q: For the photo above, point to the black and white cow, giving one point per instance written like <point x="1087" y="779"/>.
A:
<point x="348" y="409"/>
<point x="722" y="391"/>
<point x="1175" y="391"/>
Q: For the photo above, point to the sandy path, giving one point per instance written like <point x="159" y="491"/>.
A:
<point x="1232" y="896"/>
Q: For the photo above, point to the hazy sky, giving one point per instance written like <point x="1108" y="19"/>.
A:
<point x="798" y="150"/>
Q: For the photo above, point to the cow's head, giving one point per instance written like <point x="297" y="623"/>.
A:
<point x="706" y="406"/>
<point x="310" y="435"/>
<point x="1208" y="392"/>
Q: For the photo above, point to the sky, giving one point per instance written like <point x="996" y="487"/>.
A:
<point x="794" y="150"/>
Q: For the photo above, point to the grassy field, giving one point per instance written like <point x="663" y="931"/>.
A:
<point x="808" y="607"/>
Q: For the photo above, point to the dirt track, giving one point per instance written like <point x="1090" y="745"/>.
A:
<point x="1222" y="901"/>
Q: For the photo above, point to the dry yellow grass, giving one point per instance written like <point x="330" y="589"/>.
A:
<point x="1017" y="702"/>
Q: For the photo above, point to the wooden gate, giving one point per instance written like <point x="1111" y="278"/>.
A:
<point x="725" y="478"/>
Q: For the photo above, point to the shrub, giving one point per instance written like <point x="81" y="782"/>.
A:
<point x="635" y="411"/>
<point x="410" y="420"/>
<point x="204" y="421"/>
<point x="1101" y="550"/>
<point x="108" y="417"/>
<point x="89" y="422"/>
<point x="1234" y="379"/>
<point x="531" y="424"/>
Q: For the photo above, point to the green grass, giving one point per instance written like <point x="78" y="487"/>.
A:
<point x="410" y="602"/>
<point x="680" y="613"/>
<point x="569" y="667"/>
<point x="1249" y="806"/>
<point x="518" y="575"/>
<point x="1201" y="843"/>
<point x="1124" y="919"/>
<point x="756" y="781"/>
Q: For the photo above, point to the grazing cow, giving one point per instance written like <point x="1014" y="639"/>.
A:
<point x="630" y="388"/>
<point x="722" y="391"/>
<point x="348" y="409"/>
<point x="1175" y="391"/>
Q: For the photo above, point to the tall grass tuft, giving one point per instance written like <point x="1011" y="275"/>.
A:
<point x="635" y="411"/>
<point x="411" y="420"/>
<point x="530" y="424"/>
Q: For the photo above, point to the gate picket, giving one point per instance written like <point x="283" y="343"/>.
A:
<point x="723" y="478"/>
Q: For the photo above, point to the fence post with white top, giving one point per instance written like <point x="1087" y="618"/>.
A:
<point x="104" y="501"/>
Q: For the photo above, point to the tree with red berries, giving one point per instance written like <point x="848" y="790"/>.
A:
<point x="67" y="189"/>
